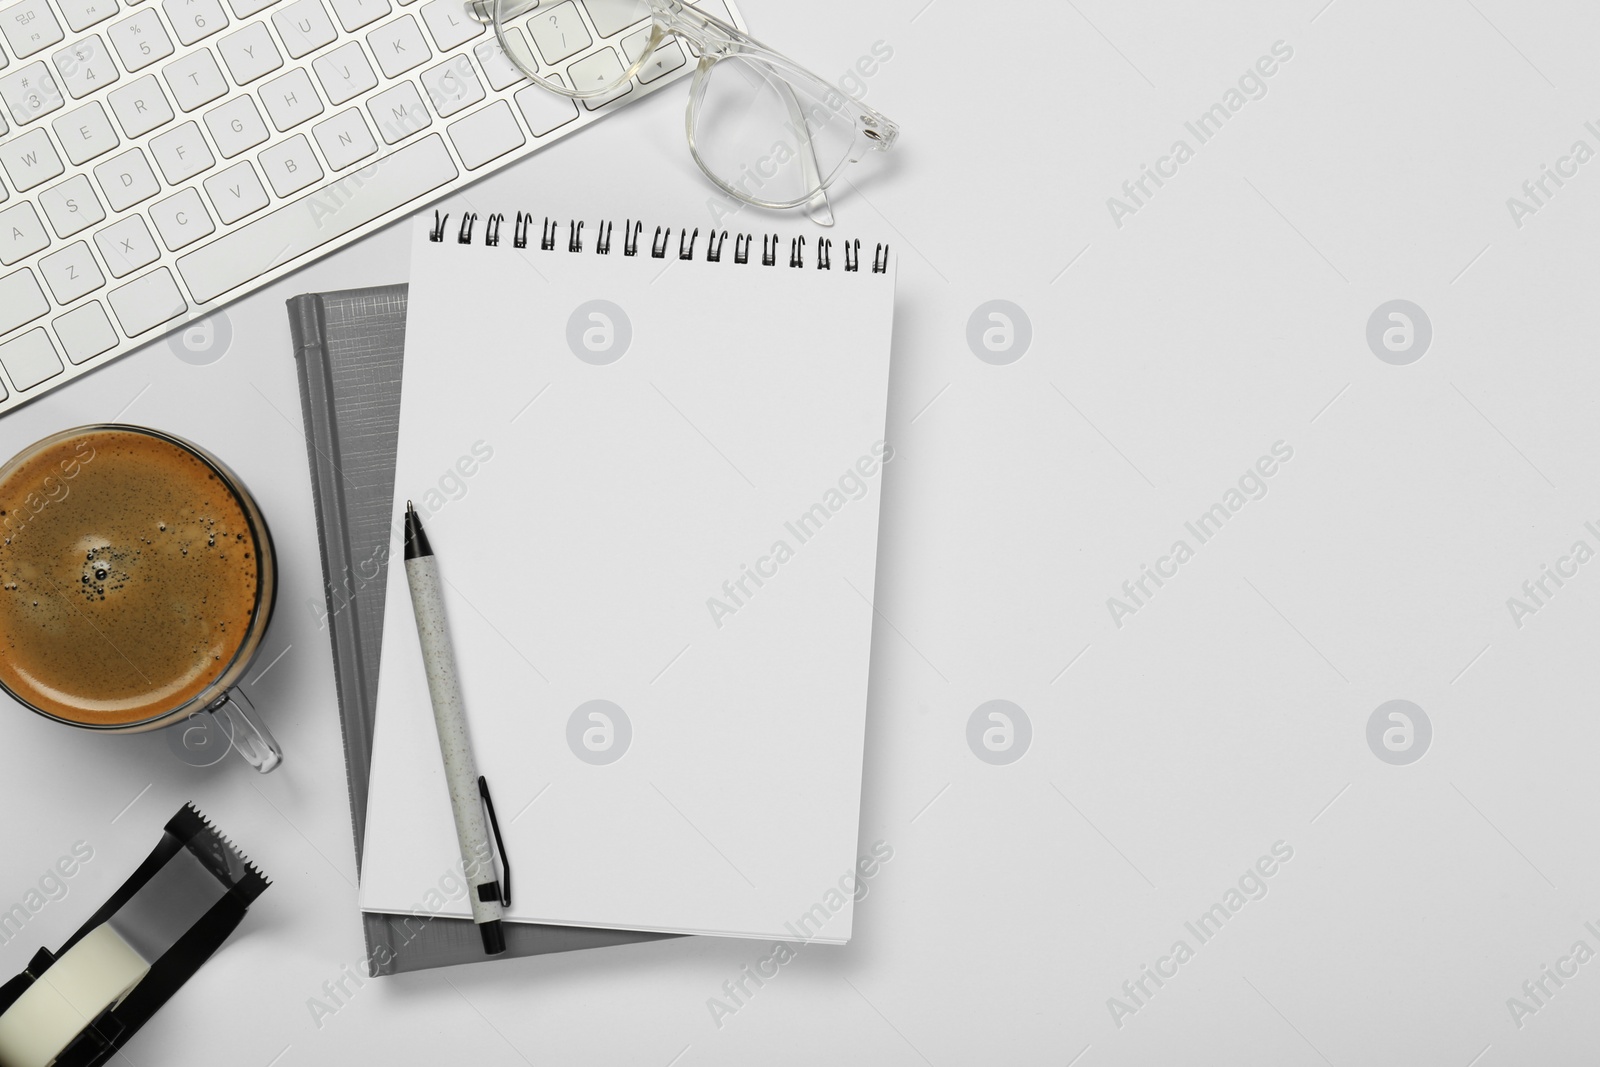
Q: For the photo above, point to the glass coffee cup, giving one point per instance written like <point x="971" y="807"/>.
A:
<point x="137" y="581"/>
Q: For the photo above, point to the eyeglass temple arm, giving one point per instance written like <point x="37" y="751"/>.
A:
<point x="818" y="208"/>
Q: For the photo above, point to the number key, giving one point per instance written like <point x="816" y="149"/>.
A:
<point x="30" y="92"/>
<point x="140" y="40"/>
<point x="30" y="26"/>
<point x="194" y="20"/>
<point x="85" y="66"/>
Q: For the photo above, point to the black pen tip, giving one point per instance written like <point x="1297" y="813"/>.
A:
<point x="494" y="937"/>
<point x="416" y="540"/>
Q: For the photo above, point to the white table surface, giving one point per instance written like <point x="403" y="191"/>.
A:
<point x="1230" y="712"/>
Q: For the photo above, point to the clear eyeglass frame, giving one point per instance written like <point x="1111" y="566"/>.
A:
<point x="808" y="98"/>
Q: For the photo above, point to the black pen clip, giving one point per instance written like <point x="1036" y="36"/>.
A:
<point x="499" y="842"/>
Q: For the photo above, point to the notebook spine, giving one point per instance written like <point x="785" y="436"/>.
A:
<point x="661" y="245"/>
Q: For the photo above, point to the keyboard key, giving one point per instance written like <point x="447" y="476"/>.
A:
<point x="236" y="126"/>
<point x="250" y="53"/>
<point x="194" y="80"/>
<point x="194" y="20"/>
<point x="300" y="227"/>
<point x="354" y="14"/>
<point x="452" y="85"/>
<point x="71" y="272"/>
<point x="399" y="46"/>
<point x="30" y="27"/>
<point x="21" y="233"/>
<point x="243" y="9"/>
<point x="344" y="73"/>
<point x="666" y="58"/>
<point x="127" y="245"/>
<point x="21" y="300"/>
<point x="601" y="69"/>
<point x="30" y="92"/>
<point x="543" y="110"/>
<point x="485" y="135"/>
<point x="85" y="332"/>
<point x="448" y="23"/>
<point x="399" y="112"/>
<point x="140" y="40"/>
<point x="181" y="220"/>
<point x="236" y="192"/>
<point x="291" y="99"/>
<point x="29" y="159"/>
<point x="500" y="71"/>
<point x="71" y="206"/>
<point x="81" y="14"/>
<point x="85" y="66"/>
<point x="140" y="106"/>
<point x="559" y="32"/>
<point x="30" y="359"/>
<point x="126" y="179"/>
<point x="304" y="26"/>
<point x="344" y="139"/>
<point x="290" y="165"/>
<point x="147" y="302"/>
<point x="613" y="16"/>
<point x="85" y="133"/>
<point x="181" y="153"/>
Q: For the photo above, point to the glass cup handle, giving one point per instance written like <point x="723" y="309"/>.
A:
<point x="247" y="731"/>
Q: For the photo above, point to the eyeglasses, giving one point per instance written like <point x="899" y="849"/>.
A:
<point x="764" y="129"/>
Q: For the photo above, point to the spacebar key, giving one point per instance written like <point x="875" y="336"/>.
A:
<point x="304" y="225"/>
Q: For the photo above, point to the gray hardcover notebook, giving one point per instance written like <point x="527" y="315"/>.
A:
<point x="349" y="348"/>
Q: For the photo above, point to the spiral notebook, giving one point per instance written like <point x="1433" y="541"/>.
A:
<point x="650" y="463"/>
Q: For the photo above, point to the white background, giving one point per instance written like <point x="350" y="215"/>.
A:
<point x="1168" y="754"/>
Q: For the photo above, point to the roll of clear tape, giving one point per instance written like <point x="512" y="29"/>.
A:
<point x="91" y="976"/>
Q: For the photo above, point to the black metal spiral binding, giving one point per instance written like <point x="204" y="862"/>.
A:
<point x="661" y="242"/>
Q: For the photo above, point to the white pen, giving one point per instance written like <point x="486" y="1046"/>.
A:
<point x="469" y="792"/>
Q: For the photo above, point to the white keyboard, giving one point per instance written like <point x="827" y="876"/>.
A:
<point x="159" y="158"/>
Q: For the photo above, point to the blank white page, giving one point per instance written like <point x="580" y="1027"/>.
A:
<point x="687" y="531"/>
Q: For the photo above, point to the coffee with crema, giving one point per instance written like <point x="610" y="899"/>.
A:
<point x="130" y="575"/>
